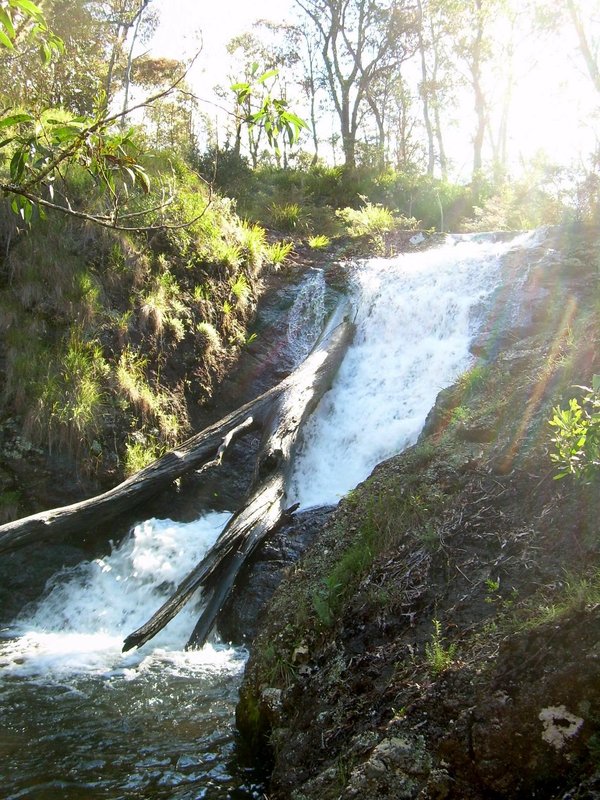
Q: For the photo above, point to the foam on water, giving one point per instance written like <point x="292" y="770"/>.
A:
<point x="80" y="625"/>
<point x="416" y="317"/>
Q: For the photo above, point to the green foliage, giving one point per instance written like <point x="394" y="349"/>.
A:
<point x="279" y="669"/>
<point x="389" y="512"/>
<point x="438" y="655"/>
<point x="208" y="337"/>
<point x="140" y="454"/>
<point x="70" y="396"/>
<point x="41" y="146"/>
<point x="319" y="242"/>
<point x="473" y="379"/>
<point x="23" y="18"/>
<point x="576" y="437"/>
<point x="368" y="220"/>
<point x="272" y="113"/>
<point x="288" y="216"/>
<point x="278" y="252"/>
<point x="573" y="593"/>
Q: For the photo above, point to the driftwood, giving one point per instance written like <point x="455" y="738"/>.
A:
<point x="191" y="454"/>
<point x="265" y="507"/>
<point x="279" y="413"/>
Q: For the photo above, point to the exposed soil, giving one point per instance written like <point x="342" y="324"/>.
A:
<point x="459" y="658"/>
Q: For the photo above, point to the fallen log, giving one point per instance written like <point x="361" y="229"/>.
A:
<point x="266" y="505"/>
<point x="192" y="454"/>
<point x="196" y="452"/>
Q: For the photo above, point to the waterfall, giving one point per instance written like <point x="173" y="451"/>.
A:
<point x="89" y="609"/>
<point x="81" y="718"/>
<point x="416" y="316"/>
<point x="306" y="316"/>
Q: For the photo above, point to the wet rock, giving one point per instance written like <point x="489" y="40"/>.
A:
<point x="25" y="573"/>
<point x="242" y="619"/>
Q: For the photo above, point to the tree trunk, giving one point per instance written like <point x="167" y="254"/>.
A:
<point x="425" y="94"/>
<point x="266" y="505"/>
<point x="191" y="454"/>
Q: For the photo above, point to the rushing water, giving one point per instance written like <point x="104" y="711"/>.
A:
<point x="79" y="719"/>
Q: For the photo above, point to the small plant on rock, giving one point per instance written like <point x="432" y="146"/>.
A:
<point x="577" y="434"/>
<point x="439" y="657"/>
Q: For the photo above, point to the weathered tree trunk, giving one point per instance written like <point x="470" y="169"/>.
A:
<point x="192" y="454"/>
<point x="266" y="505"/>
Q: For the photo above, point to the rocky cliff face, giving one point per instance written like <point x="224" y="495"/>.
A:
<point x="440" y="637"/>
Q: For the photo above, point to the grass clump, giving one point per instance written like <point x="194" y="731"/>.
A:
<point x="208" y="337"/>
<point x="390" y="510"/>
<point x="439" y="656"/>
<point x="140" y="454"/>
<point x="319" y="242"/>
<point x="278" y="253"/>
<point x="371" y="219"/>
<point x="288" y="216"/>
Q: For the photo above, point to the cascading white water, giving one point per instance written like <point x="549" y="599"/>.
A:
<point x="305" y="320"/>
<point x="89" y="610"/>
<point x="416" y="316"/>
<point x="158" y="722"/>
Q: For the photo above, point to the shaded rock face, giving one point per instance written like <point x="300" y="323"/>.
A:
<point x="24" y="574"/>
<point x="504" y="700"/>
<point x="242" y="619"/>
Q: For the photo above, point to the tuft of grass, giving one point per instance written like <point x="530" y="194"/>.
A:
<point x="148" y="403"/>
<point x="438" y="655"/>
<point x="319" y="242"/>
<point x="240" y="289"/>
<point x="288" y="216"/>
<point x="576" y="593"/>
<point x="10" y="501"/>
<point x="158" y="305"/>
<point x="371" y="219"/>
<point x="69" y="397"/>
<point x="473" y="379"/>
<point x="208" y="337"/>
<point x="278" y="253"/>
<point x="253" y="243"/>
<point x="139" y="455"/>
<point x="389" y="512"/>
<point x="228" y="254"/>
<point x="279" y="669"/>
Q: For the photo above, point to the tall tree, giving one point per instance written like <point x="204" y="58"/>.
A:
<point x="588" y="38"/>
<point x="361" y="42"/>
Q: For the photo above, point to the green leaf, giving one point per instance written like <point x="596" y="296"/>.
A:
<point x="5" y="41"/>
<point x="17" y="164"/>
<point x="142" y="176"/>
<point x="28" y="8"/>
<point x="65" y="133"/>
<point x="15" y="119"/>
<point x="45" y="53"/>
<point x="266" y="75"/>
<point x="6" y="22"/>
<point x="23" y="207"/>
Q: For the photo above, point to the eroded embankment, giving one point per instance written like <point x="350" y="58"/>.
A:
<point x="439" y="640"/>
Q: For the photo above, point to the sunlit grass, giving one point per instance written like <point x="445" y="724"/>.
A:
<point x="279" y="252"/>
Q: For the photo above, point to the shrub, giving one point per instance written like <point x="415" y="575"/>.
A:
<point x="577" y="434"/>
